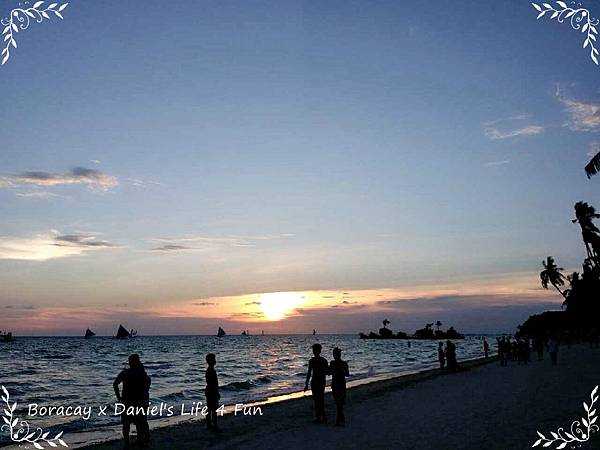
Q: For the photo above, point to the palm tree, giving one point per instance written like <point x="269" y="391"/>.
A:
<point x="438" y="324"/>
<point x="386" y="323"/>
<point x="593" y="167"/>
<point x="585" y="215"/>
<point x="552" y="274"/>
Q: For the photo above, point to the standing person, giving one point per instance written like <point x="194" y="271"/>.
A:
<point x="441" y="355"/>
<point x="134" y="395"/>
<point x="553" y="350"/>
<point x="451" y="355"/>
<point x="339" y="372"/>
<point x="318" y="369"/>
<point x="211" y="391"/>
<point x="539" y="346"/>
<point x="486" y="348"/>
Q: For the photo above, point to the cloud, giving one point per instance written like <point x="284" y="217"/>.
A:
<point x="201" y="243"/>
<point x="497" y="163"/>
<point x="49" y="246"/>
<point x="583" y="115"/>
<point x="94" y="179"/>
<point x="253" y="303"/>
<point x="511" y="127"/>
<point x="172" y="248"/>
<point x="203" y="303"/>
<point x="139" y="183"/>
<point x="38" y="195"/>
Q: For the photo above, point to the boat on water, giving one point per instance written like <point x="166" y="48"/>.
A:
<point x="221" y="332"/>
<point x="6" y="337"/>
<point x="122" y="333"/>
<point x="89" y="334"/>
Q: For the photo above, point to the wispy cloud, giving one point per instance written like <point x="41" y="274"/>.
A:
<point x="78" y="175"/>
<point x="50" y="246"/>
<point x="38" y="195"/>
<point x="583" y="115"/>
<point x="139" y="183"/>
<point x="497" y="163"/>
<point x="172" y="248"/>
<point x="200" y="243"/>
<point x="511" y="127"/>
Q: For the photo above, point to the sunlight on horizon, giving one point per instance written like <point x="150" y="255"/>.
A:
<point x="278" y="305"/>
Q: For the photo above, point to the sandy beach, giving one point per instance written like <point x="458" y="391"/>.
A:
<point x="484" y="406"/>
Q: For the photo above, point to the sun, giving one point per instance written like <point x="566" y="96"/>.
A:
<point x="278" y="305"/>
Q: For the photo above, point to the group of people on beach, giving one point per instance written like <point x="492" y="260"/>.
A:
<point x="519" y="349"/>
<point x="318" y="369"/>
<point x="447" y="356"/>
<point x="135" y="391"/>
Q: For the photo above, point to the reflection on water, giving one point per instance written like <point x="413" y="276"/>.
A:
<point x="75" y="371"/>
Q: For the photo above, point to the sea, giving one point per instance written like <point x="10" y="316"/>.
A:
<point x="55" y="371"/>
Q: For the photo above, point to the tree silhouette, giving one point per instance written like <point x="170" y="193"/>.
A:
<point x="386" y="323"/>
<point x="552" y="274"/>
<point x="585" y="215"/>
<point x="438" y="324"/>
<point x="593" y="167"/>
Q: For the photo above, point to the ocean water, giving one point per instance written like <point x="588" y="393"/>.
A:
<point x="74" y="371"/>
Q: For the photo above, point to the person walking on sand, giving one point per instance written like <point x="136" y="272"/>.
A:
<point x="553" y="350"/>
<point x="339" y="372"/>
<point x="441" y="355"/>
<point x="135" y="396"/>
<point x="211" y="391"/>
<point x="317" y="369"/>
<point x="486" y="348"/>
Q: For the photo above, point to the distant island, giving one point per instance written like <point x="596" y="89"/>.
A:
<point x="426" y="333"/>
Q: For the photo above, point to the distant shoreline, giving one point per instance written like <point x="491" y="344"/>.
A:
<point x="98" y="336"/>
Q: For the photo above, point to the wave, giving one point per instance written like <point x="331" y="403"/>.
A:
<point x="246" y="385"/>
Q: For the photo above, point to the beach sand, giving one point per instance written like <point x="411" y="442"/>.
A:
<point x="483" y="407"/>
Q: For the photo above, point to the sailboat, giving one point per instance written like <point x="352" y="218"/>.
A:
<point x="89" y="334"/>
<point x="122" y="333"/>
<point x="221" y="332"/>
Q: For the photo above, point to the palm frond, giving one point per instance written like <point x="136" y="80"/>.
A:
<point x="593" y="167"/>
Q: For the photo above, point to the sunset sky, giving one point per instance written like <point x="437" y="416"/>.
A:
<point x="290" y="165"/>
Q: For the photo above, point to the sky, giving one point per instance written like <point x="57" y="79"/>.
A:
<point x="289" y="165"/>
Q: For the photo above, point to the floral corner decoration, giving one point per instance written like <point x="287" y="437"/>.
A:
<point x="579" y="432"/>
<point x="579" y="18"/>
<point x="20" y="19"/>
<point x="20" y="431"/>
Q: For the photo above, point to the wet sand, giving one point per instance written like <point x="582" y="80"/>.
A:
<point x="484" y="406"/>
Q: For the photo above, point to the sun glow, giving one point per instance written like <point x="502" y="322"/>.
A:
<point x="278" y="305"/>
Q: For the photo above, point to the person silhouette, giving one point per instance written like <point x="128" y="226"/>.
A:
<point x="451" y="355"/>
<point x="486" y="348"/>
<point x="339" y="372"/>
<point x="441" y="355"/>
<point x="211" y="391"/>
<point x="317" y="369"/>
<point x="135" y="396"/>
<point x="553" y="350"/>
